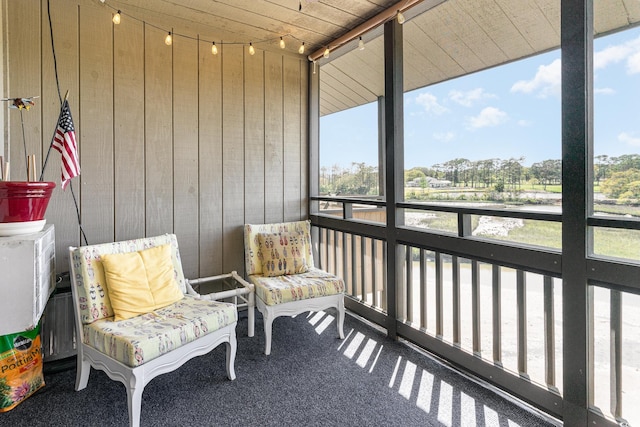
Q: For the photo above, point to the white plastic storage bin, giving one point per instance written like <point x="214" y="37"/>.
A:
<point x="27" y="278"/>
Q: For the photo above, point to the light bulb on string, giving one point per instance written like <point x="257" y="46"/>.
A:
<point x="252" y="50"/>
<point x="361" y="44"/>
<point x="116" y="18"/>
<point x="214" y="48"/>
<point x="282" y="44"/>
<point x="301" y="49"/>
<point x="400" y="18"/>
<point x="314" y="67"/>
<point x="169" y="39"/>
<point x="326" y="53"/>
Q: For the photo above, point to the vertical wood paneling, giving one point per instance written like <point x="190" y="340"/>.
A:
<point x="96" y="132"/>
<point x="233" y="157"/>
<point x="171" y="138"/>
<point x="291" y="138"/>
<point x="254" y="138"/>
<point x="61" y="210"/>
<point x="185" y="143"/>
<point x="210" y="161"/>
<point x="273" y="155"/>
<point x="304" y="139"/>
<point x="158" y="130"/>
<point x="23" y="46"/>
<point x="129" y="137"/>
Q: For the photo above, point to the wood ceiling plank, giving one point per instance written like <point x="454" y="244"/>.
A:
<point x="609" y="15"/>
<point x="497" y="26"/>
<point x="536" y="21"/>
<point x="442" y="23"/>
<point x="633" y="10"/>
<point x="348" y="87"/>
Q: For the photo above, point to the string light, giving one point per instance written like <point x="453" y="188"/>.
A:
<point x="314" y="67"/>
<point x="361" y="44"/>
<point x="168" y="40"/>
<point x="400" y="18"/>
<point x="326" y="53"/>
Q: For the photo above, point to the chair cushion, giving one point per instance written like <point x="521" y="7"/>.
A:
<point x="282" y="253"/>
<point x="253" y="264"/>
<point x="140" y="339"/>
<point x="140" y="282"/>
<point x="281" y="289"/>
<point x="93" y="297"/>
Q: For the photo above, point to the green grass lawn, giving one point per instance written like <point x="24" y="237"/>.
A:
<point x="607" y="242"/>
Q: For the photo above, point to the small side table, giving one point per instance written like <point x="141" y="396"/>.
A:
<point x="228" y="287"/>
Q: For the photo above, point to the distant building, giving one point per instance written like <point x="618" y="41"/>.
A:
<point x="431" y="182"/>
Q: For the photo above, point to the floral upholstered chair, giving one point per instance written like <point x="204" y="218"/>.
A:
<point x="137" y="317"/>
<point x="279" y="262"/>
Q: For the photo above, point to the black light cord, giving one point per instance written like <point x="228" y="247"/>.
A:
<point x="55" y="67"/>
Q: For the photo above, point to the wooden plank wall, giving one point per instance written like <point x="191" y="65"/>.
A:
<point x="172" y="138"/>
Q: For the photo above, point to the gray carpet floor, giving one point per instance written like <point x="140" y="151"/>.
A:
<point x="311" y="378"/>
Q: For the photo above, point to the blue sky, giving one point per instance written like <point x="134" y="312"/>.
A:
<point x="507" y="112"/>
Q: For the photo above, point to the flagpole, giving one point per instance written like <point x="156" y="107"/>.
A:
<point x="44" y="165"/>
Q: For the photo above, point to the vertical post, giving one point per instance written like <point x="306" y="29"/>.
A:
<point x="549" y="333"/>
<point x="475" y="307"/>
<point x="455" y="298"/>
<point x="354" y="263"/>
<point x="423" y="289"/>
<point x="496" y="291"/>
<point x="381" y="147"/>
<point x="374" y="272"/>
<point x="409" y="285"/>
<point x="363" y="257"/>
<point x="439" y="301"/>
<point x="314" y="136"/>
<point x="521" y="302"/>
<point x="394" y="160"/>
<point x="615" y="347"/>
<point x="577" y="152"/>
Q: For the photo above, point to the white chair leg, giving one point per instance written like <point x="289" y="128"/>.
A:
<point x="268" y="320"/>
<point x="83" y="369"/>
<point x="232" y="347"/>
<point x="134" y="401"/>
<point x="251" y="314"/>
<point x="340" y="320"/>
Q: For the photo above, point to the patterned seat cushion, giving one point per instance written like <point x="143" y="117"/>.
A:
<point x="312" y="284"/>
<point x="142" y="338"/>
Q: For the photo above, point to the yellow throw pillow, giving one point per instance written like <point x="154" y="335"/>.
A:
<point x="282" y="253"/>
<point x="140" y="282"/>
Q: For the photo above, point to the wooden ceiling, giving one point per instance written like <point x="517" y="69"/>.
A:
<point x="458" y="37"/>
<point x="443" y="38"/>
<point x="261" y="22"/>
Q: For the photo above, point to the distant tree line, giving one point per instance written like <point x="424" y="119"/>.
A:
<point x="618" y="177"/>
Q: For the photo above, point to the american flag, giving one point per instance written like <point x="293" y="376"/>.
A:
<point x="65" y="142"/>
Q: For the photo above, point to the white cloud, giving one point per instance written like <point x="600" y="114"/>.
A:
<point x="488" y="117"/>
<point x="546" y="81"/>
<point x="467" y="99"/>
<point x="524" y="123"/>
<point x="633" y="63"/>
<point x="444" y="136"/>
<point x="605" y="91"/>
<point x="628" y="51"/>
<point x="610" y="55"/>
<point x="629" y="139"/>
<point x="430" y="104"/>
